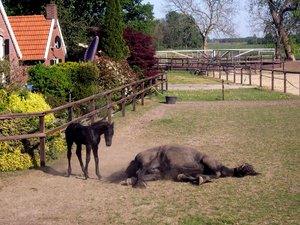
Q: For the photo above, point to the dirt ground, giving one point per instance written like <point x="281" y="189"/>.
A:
<point x="292" y="85"/>
<point x="47" y="196"/>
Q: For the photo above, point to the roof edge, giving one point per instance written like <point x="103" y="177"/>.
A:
<point x="62" y="38"/>
<point x="49" y="39"/>
<point x="11" y="33"/>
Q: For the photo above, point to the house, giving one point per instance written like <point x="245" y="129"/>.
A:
<point x="32" y="39"/>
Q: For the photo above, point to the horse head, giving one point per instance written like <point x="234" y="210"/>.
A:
<point x="245" y="170"/>
<point x="108" y="134"/>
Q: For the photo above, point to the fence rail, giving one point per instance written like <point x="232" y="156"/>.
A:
<point x="138" y="89"/>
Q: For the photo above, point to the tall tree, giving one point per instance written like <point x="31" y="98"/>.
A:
<point x="278" y="20"/>
<point x="180" y="31"/>
<point x="138" y="16"/>
<point x="112" y="42"/>
<point x="211" y="16"/>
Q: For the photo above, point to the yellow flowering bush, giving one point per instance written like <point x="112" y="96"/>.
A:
<point x="25" y="101"/>
<point x="11" y="158"/>
<point x="15" y="155"/>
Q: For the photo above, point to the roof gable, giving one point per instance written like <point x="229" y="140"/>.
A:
<point x="10" y="30"/>
<point x="32" y="33"/>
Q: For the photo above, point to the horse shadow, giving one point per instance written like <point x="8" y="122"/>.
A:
<point x="51" y="171"/>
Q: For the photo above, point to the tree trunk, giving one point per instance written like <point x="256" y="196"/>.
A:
<point x="277" y="18"/>
<point x="286" y="44"/>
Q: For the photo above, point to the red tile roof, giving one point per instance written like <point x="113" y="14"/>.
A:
<point x="32" y="34"/>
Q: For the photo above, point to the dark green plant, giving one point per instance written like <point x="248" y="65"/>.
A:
<point x="112" y="41"/>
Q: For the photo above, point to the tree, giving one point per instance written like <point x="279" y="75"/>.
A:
<point x="138" y="16"/>
<point x="112" y="42"/>
<point x="277" y="17"/>
<point x="180" y="31"/>
<point x="211" y="16"/>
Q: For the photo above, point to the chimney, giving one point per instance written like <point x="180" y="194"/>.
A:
<point x="51" y="10"/>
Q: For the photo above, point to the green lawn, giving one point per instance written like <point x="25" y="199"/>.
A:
<point x="229" y="94"/>
<point x="186" y="77"/>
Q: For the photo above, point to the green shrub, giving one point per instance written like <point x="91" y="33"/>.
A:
<point x="50" y="81"/>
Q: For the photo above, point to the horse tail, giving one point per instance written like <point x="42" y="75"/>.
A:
<point x="132" y="168"/>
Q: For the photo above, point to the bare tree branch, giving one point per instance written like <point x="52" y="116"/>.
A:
<point x="211" y="16"/>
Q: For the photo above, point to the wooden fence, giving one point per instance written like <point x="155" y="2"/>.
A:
<point x="137" y="89"/>
<point x="239" y="70"/>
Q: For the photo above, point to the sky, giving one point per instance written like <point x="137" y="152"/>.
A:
<point x="242" y="27"/>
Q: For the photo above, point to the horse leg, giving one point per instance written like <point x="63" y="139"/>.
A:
<point x="78" y="153"/>
<point x="148" y="172"/>
<point x="199" y="179"/>
<point x="95" y="153"/>
<point x="69" y="155"/>
<point x="88" y="158"/>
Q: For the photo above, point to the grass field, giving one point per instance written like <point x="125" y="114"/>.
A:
<point x="229" y="94"/>
<point x="265" y="135"/>
<point x="185" y="77"/>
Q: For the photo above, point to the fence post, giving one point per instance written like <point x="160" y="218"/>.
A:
<point x="109" y="107"/>
<point x="234" y="74"/>
<point x="143" y="93"/>
<point x="167" y="88"/>
<point x="150" y="88"/>
<point x="241" y="75"/>
<point x="70" y="114"/>
<point x="42" y="141"/>
<point x="123" y="102"/>
<point x="134" y="97"/>
<point x="223" y="90"/>
<point x="156" y="86"/>
<point x="93" y="109"/>
<point x="284" y="82"/>
<point x="250" y="76"/>
<point x="227" y="72"/>
<point x="260" y="77"/>
<point x="162" y="83"/>
<point x="272" y="81"/>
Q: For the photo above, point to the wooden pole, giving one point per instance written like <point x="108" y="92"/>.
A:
<point x="123" y="102"/>
<point x="70" y="114"/>
<point x="42" y="142"/>
<point x="134" y="98"/>
<point x="223" y="90"/>
<point x="143" y="93"/>
<point x="284" y="82"/>
<point x="109" y="107"/>
<point x="272" y="81"/>
<point x="260" y="77"/>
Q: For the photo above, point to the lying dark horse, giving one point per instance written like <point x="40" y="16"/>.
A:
<point x="90" y="137"/>
<point x="179" y="163"/>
